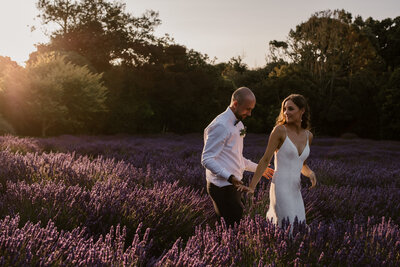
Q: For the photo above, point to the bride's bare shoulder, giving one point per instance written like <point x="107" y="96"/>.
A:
<point x="310" y="136"/>
<point x="279" y="129"/>
<point x="279" y="132"/>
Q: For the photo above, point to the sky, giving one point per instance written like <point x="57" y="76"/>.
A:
<point x="218" y="28"/>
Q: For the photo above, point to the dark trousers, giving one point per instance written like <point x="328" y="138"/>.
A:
<point x="227" y="202"/>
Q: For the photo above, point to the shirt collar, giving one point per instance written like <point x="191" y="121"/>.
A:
<point x="231" y="116"/>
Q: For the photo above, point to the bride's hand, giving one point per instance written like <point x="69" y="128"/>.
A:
<point x="313" y="180"/>
<point x="250" y="191"/>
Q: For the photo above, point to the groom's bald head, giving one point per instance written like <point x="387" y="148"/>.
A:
<point x="242" y="94"/>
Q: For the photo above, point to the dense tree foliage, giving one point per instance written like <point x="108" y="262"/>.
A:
<point x="101" y="31"/>
<point x="52" y="95"/>
<point x="347" y="67"/>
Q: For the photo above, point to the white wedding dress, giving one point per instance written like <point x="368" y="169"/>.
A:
<point x="285" y="195"/>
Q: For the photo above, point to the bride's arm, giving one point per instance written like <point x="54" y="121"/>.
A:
<point x="306" y="171"/>
<point x="274" y="141"/>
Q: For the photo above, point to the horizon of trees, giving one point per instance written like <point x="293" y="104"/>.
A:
<point x="104" y="72"/>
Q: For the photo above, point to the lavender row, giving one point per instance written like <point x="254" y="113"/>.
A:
<point x="170" y="211"/>
<point x="33" y="245"/>
<point x="85" y="171"/>
<point x="257" y="242"/>
<point x="254" y="242"/>
<point x="183" y="146"/>
<point x="355" y="162"/>
<point x="328" y="203"/>
<point x="21" y="145"/>
<point x="151" y="160"/>
<point x="70" y="168"/>
<point x="357" y="173"/>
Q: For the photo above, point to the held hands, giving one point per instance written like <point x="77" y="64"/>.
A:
<point x="239" y="185"/>
<point x="249" y="190"/>
<point x="268" y="173"/>
<point x="236" y="182"/>
<point x="245" y="189"/>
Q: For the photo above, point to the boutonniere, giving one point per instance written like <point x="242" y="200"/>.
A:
<point x="243" y="131"/>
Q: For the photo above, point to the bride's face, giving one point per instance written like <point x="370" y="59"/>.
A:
<point x="292" y="112"/>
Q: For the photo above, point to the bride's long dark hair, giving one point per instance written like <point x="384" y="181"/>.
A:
<point x="300" y="102"/>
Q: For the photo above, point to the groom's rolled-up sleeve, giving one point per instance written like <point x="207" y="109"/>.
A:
<point x="214" y="143"/>
<point x="249" y="165"/>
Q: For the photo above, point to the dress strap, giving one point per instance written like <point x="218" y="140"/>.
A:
<point x="307" y="135"/>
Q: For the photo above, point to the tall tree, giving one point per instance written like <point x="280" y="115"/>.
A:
<point x="329" y="47"/>
<point x="390" y="122"/>
<point x="101" y="31"/>
<point x="6" y="67"/>
<point x="335" y="53"/>
<point x="54" y="96"/>
<point x="13" y="84"/>
<point x="385" y="36"/>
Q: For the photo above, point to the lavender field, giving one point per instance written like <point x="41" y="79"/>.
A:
<point x="141" y="201"/>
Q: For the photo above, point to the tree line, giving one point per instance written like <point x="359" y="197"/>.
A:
<point x="105" y="72"/>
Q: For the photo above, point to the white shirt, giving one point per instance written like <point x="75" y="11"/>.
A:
<point x="223" y="150"/>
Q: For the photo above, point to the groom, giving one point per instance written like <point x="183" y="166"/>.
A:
<point x="223" y="159"/>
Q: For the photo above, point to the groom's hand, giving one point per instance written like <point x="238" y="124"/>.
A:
<point x="268" y="173"/>
<point x="235" y="181"/>
<point x="248" y="190"/>
<point x="243" y="188"/>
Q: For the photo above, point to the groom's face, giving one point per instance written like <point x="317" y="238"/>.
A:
<point x="244" y="109"/>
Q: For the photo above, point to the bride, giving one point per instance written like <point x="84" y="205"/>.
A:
<point x="290" y="142"/>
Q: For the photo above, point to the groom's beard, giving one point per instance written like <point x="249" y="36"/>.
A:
<point x="239" y="117"/>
